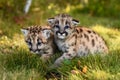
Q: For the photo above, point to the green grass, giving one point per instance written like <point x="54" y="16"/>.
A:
<point x="17" y="63"/>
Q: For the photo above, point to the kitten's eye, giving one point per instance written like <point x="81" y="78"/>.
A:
<point x="28" y="42"/>
<point x="56" y="26"/>
<point x="66" y="27"/>
<point x="38" y="42"/>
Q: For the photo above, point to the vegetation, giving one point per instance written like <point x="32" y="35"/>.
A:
<point x="17" y="63"/>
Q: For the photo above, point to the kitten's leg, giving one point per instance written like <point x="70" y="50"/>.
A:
<point x="47" y="55"/>
<point x="69" y="54"/>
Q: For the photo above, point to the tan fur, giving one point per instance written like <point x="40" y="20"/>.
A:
<point x="75" y="41"/>
<point x="46" y="46"/>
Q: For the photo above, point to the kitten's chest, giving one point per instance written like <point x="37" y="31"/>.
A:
<point x="62" y="45"/>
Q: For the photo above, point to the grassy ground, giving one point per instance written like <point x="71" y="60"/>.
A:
<point x="16" y="62"/>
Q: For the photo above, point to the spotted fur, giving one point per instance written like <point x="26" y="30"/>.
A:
<point x="39" y="40"/>
<point x="74" y="41"/>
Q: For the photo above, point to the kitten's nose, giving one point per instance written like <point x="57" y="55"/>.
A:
<point x="33" y="50"/>
<point x="60" y="32"/>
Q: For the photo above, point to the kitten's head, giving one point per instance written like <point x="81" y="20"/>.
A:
<point x="36" y="37"/>
<point x="62" y="25"/>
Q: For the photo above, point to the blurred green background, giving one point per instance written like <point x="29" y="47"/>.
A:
<point x="104" y="8"/>
<point x="13" y="11"/>
<point x="17" y="63"/>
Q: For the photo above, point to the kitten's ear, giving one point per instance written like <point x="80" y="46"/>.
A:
<point x="75" y="22"/>
<point x="25" y="32"/>
<point x="47" y="33"/>
<point x="51" y="20"/>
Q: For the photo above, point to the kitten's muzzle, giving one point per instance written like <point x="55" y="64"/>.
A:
<point x="62" y="33"/>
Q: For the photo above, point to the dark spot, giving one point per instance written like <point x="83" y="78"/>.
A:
<point x="45" y="52"/>
<point x="83" y="43"/>
<point x="75" y="38"/>
<point x="81" y="30"/>
<point x="73" y="44"/>
<point x="63" y="57"/>
<point x="96" y="38"/>
<point x="86" y="36"/>
<point x="81" y="36"/>
<point x="66" y="27"/>
<point x="66" y="47"/>
<point x="66" y="51"/>
<point x="56" y="26"/>
<point x="103" y="48"/>
<point x="93" y="42"/>
<point x="67" y="22"/>
<point x="103" y="39"/>
<point x="30" y="49"/>
<point x="91" y="35"/>
<point x="68" y="55"/>
<point x="74" y="49"/>
<point x="77" y="31"/>
<point x="94" y="32"/>
<point x="89" y="31"/>
<point x="63" y="15"/>
<point x="39" y="50"/>
<point x="56" y="22"/>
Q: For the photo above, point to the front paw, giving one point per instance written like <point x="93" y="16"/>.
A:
<point x="45" y="57"/>
<point x="54" y="66"/>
